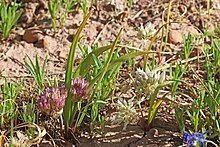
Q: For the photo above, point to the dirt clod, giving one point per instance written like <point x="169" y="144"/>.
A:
<point x="175" y="37"/>
<point x="32" y="35"/>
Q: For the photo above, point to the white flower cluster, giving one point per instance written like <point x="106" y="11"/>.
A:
<point x="126" y="112"/>
<point x="147" y="82"/>
<point x="147" y="31"/>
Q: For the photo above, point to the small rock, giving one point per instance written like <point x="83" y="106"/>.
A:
<point x="49" y="43"/>
<point x="175" y="37"/>
<point x="154" y="132"/>
<point x="32" y="35"/>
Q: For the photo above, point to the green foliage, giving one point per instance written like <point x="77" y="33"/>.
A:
<point x="85" y="5"/>
<point x="37" y="72"/>
<point x="54" y="8"/>
<point x="180" y="118"/>
<point x="8" y="107"/>
<point x="27" y="113"/>
<point x="9" y="16"/>
<point x="70" y="108"/>
<point x="203" y="110"/>
<point x="217" y="29"/>
<point x="68" y="4"/>
<point x="105" y="81"/>
<point x="188" y="47"/>
<point x="175" y="76"/>
<point x="155" y="104"/>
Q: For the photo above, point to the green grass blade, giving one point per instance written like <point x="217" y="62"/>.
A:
<point x="106" y="66"/>
<point x="17" y="16"/>
<point x="70" y="61"/>
<point x="31" y="67"/>
<point x="83" y="68"/>
<point x="155" y="105"/>
<point x="99" y="77"/>
<point x="180" y="119"/>
<point x="167" y="24"/>
<point x="44" y="67"/>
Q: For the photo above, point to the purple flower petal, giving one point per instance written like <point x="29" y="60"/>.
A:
<point x="191" y="139"/>
<point x="79" y="89"/>
<point x="186" y="137"/>
<point x="52" y="99"/>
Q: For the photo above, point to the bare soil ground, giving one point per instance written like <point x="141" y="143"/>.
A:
<point x="104" y="24"/>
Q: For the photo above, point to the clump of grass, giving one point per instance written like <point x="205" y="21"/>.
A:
<point x="37" y="71"/>
<point x="9" y="16"/>
<point x="54" y="8"/>
<point x="68" y="4"/>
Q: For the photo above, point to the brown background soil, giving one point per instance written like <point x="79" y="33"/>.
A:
<point x="14" y="51"/>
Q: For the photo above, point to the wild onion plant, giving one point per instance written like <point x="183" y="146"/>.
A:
<point x="100" y="72"/>
<point x="147" y="31"/>
<point x="9" y="16"/>
<point x="151" y="82"/>
<point x="147" y="85"/>
<point x="8" y="106"/>
<point x="99" y="77"/>
<point x="52" y="100"/>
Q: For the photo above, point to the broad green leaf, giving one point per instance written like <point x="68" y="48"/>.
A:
<point x="153" y="111"/>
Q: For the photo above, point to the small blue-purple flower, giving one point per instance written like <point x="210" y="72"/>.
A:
<point x="191" y="139"/>
<point x="79" y="87"/>
<point x="52" y="100"/>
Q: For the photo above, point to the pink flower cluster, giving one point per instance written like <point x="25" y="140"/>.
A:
<point x="52" y="100"/>
<point x="79" y="89"/>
